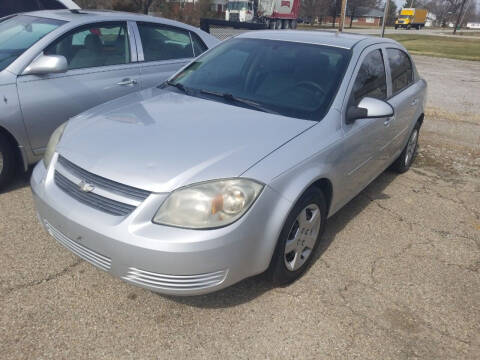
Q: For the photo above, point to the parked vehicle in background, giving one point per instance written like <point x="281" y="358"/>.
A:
<point x="411" y="18"/>
<point x="231" y="167"/>
<point x="56" y="64"/>
<point x="276" y="14"/>
<point x="473" y="25"/>
<point x="8" y="7"/>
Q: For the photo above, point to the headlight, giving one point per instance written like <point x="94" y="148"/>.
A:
<point x="52" y="144"/>
<point x="208" y="205"/>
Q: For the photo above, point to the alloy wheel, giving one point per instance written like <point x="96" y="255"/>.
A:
<point x="302" y="237"/>
<point x="411" y="146"/>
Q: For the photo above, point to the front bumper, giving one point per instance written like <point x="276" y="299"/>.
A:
<point x="160" y="258"/>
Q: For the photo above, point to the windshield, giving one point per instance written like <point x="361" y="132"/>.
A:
<point x="292" y="79"/>
<point x="20" y="32"/>
<point x="237" y="5"/>
<point x="404" y="16"/>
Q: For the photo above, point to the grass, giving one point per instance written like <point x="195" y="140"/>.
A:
<point x="440" y="46"/>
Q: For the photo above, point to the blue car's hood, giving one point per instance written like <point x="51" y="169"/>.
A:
<point x="159" y="140"/>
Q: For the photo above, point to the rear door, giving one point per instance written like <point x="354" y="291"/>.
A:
<point x="164" y="50"/>
<point x="102" y="66"/>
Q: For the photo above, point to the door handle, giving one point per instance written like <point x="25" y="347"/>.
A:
<point x="127" y="82"/>
<point x="414" y="102"/>
<point x="388" y="121"/>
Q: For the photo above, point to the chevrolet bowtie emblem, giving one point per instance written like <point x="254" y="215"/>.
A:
<point x="86" y="187"/>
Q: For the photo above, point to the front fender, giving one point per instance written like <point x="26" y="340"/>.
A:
<point x="11" y="121"/>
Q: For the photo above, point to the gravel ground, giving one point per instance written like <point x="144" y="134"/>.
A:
<point x="397" y="275"/>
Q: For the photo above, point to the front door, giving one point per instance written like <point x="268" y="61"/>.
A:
<point x="100" y="69"/>
<point x="364" y="137"/>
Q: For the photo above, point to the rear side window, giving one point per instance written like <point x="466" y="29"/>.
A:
<point x="371" y="79"/>
<point x="401" y="70"/>
<point x="164" y="43"/>
<point x="93" y="46"/>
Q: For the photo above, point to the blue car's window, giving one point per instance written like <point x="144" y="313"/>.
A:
<point x="20" y="32"/>
<point x="292" y="79"/>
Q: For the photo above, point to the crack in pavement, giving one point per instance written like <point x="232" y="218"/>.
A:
<point x="43" y="280"/>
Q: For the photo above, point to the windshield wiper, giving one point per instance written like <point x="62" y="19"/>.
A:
<point x="177" y="85"/>
<point x="239" y="100"/>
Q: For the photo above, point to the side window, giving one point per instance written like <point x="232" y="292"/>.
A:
<point x="93" y="46"/>
<point x="164" y="43"/>
<point x="401" y="70"/>
<point x="371" y="79"/>
<point x="198" y="45"/>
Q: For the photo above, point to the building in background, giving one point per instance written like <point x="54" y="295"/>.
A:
<point x="363" y="17"/>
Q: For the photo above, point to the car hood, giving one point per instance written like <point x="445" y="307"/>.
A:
<point x="159" y="140"/>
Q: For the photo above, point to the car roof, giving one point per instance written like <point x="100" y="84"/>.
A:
<point x="83" y="16"/>
<point x="318" y="37"/>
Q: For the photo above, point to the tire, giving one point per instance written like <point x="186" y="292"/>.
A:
<point x="271" y="24"/>
<point x="285" y="267"/>
<point x="278" y="24"/>
<point x="396" y="27"/>
<point x="402" y="164"/>
<point x="285" y="24"/>
<point x="293" y="24"/>
<point x="7" y="162"/>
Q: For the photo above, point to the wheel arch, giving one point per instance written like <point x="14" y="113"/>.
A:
<point x="420" y="119"/>
<point x="19" y="153"/>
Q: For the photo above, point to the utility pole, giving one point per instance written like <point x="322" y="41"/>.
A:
<point x="385" y="16"/>
<point x="342" y="15"/>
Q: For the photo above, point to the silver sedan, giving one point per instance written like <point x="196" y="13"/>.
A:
<point x="232" y="166"/>
<point x="55" y="64"/>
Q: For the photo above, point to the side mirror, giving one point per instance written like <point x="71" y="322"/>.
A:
<point x="369" y="108"/>
<point x="47" y="64"/>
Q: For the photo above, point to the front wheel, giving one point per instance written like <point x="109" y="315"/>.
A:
<point x="402" y="164"/>
<point x="299" y="238"/>
<point x="293" y="24"/>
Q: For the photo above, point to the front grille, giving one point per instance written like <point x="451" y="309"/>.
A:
<point x="98" y="181"/>
<point x="98" y="202"/>
<point x="234" y="17"/>
<point x="174" y="282"/>
<point x="91" y="256"/>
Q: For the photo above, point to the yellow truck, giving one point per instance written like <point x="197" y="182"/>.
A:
<point x="411" y="18"/>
